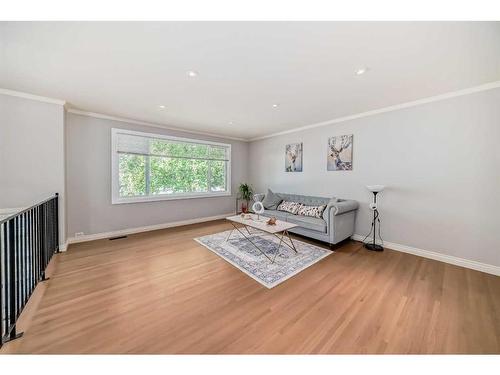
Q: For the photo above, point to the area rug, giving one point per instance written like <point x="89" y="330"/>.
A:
<point x="243" y="255"/>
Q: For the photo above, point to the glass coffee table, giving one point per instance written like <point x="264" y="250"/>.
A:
<point x="279" y="230"/>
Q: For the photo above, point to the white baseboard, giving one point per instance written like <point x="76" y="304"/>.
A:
<point x="478" y="266"/>
<point x="127" y="231"/>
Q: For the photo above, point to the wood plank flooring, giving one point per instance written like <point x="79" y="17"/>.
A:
<point x="162" y="292"/>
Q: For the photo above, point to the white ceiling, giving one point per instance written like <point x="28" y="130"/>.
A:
<point x="128" y="69"/>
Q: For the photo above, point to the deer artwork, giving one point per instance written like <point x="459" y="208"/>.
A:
<point x="293" y="157"/>
<point x="335" y="149"/>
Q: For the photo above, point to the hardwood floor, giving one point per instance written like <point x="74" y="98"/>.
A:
<point x="162" y="292"/>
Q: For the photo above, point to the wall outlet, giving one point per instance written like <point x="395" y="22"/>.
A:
<point x="79" y="234"/>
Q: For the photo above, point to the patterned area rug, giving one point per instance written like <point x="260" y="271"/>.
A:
<point x="243" y="255"/>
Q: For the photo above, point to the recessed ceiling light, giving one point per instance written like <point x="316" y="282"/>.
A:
<point x="230" y="123"/>
<point x="361" y="71"/>
<point x="162" y="107"/>
<point x="191" y="73"/>
<point x="276" y="105"/>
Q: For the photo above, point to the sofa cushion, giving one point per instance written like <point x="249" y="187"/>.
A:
<point x="271" y="200"/>
<point x="308" y="222"/>
<point x="291" y="207"/>
<point x="280" y="215"/>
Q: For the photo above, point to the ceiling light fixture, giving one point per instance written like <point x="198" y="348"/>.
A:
<point x="230" y="123"/>
<point x="162" y="107"/>
<point x="276" y="105"/>
<point x="191" y="73"/>
<point x="361" y="71"/>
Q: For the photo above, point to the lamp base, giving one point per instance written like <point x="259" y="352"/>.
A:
<point x="373" y="247"/>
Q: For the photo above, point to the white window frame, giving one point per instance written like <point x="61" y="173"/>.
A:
<point x="115" y="178"/>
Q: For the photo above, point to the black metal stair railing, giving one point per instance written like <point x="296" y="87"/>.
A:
<point x="28" y="240"/>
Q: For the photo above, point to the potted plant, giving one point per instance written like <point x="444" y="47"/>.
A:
<point x="246" y="194"/>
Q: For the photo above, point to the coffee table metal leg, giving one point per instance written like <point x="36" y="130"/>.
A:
<point x="279" y="247"/>
<point x="290" y="238"/>
<point x="284" y="234"/>
<point x="249" y="240"/>
<point x="229" y="235"/>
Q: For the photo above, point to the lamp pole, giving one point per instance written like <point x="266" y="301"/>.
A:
<point x="373" y="246"/>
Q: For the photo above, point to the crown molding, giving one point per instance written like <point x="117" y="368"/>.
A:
<point x="431" y="99"/>
<point x="449" y="95"/>
<point x="37" y="98"/>
<point x="150" y="124"/>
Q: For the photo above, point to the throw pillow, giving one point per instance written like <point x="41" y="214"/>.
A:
<point x="292" y="207"/>
<point x="271" y="200"/>
<point x="313" y="211"/>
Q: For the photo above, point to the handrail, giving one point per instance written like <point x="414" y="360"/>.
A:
<point x="28" y="240"/>
<point x="27" y="209"/>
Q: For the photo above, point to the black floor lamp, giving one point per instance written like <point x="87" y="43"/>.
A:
<point x="373" y="246"/>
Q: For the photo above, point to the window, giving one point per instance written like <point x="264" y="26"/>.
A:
<point x="150" y="167"/>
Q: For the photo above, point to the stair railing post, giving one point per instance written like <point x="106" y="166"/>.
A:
<point x="14" y="295"/>
<point x="56" y="223"/>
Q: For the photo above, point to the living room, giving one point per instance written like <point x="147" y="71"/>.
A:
<point x="260" y="187"/>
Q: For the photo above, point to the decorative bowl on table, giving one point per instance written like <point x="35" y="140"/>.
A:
<point x="271" y="221"/>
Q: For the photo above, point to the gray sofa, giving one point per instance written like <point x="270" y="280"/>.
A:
<point x="337" y="222"/>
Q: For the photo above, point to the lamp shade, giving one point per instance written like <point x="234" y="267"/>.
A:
<point x="375" y="188"/>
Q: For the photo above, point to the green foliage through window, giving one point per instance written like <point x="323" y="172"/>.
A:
<point x="173" y="167"/>
<point x="132" y="176"/>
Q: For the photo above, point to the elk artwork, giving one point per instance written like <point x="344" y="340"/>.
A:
<point x="340" y="153"/>
<point x="293" y="157"/>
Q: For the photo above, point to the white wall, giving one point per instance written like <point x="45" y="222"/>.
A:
<point x="440" y="161"/>
<point x="31" y="154"/>
<point x="89" y="182"/>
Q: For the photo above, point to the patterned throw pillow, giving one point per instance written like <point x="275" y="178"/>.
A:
<point x="292" y="207"/>
<point x="314" y="211"/>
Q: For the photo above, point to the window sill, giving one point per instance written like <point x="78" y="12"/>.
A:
<point x="115" y="200"/>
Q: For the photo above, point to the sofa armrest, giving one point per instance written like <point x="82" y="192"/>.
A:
<point x="329" y="210"/>
<point x="342" y="206"/>
<point x="258" y="197"/>
<point x="341" y="219"/>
